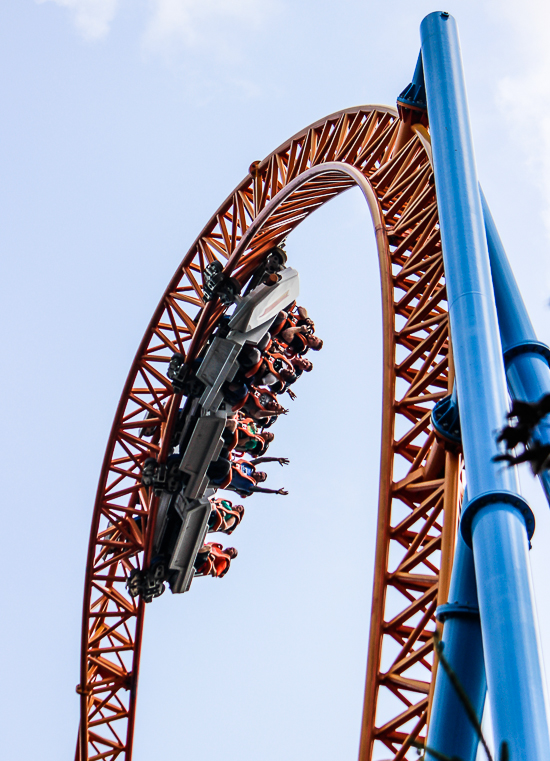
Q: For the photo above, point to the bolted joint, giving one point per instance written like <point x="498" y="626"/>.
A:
<point x="217" y="283"/>
<point x="456" y="610"/>
<point x="177" y="371"/>
<point x="183" y="377"/>
<point x="147" y="584"/>
<point x="411" y="102"/>
<point x="162" y="477"/>
<point x="526" y="347"/>
<point x="267" y="272"/>
<point x="495" y="498"/>
<point x="446" y="420"/>
<point x="148" y="472"/>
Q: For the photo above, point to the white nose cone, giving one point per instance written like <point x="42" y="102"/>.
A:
<point x="266" y="301"/>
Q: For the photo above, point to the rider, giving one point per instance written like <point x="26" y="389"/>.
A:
<point x="224" y="518"/>
<point x="213" y="560"/>
<point x="262" y="404"/>
<point x="299" y="341"/>
<point x="250" y="440"/>
<point x="300" y="365"/>
<point x="243" y="435"/>
<point x="244" y="478"/>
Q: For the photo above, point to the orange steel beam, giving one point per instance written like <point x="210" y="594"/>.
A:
<point x="419" y="483"/>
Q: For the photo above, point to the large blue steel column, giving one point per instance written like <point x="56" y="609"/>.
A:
<point x="525" y="358"/>
<point x="451" y="732"/>
<point x="496" y="519"/>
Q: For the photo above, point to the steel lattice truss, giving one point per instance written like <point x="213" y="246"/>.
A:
<point x="419" y="480"/>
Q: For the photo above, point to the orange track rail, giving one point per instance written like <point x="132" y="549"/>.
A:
<point x="419" y="482"/>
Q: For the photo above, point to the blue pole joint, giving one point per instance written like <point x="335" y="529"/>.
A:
<point x="456" y="610"/>
<point x="526" y="347"/>
<point x="446" y="419"/>
<point x="495" y="498"/>
<point x="414" y="95"/>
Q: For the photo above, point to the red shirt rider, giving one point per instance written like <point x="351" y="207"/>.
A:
<point x="213" y="560"/>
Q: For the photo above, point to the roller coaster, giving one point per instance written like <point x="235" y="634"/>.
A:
<point x="227" y="341"/>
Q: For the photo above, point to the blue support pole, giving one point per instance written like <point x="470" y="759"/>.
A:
<point x="525" y="358"/>
<point x="464" y="651"/>
<point x="497" y="516"/>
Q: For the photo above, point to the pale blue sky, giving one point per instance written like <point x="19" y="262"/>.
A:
<point x="123" y="127"/>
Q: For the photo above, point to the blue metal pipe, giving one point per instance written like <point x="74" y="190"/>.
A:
<point x="525" y="358"/>
<point x="497" y="516"/>
<point x="476" y="344"/>
<point x="464" y="651"/>
<point x="515" y="325"/>
<point x="514" y="666"/>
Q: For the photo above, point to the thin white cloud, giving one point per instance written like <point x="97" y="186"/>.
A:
<point x="524" y="97"/>
<point x="92" y="18"/>
<point x="213" y="26"/>
<point x="220" y="29"/>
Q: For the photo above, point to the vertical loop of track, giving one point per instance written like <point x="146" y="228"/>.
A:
<point x="419" y="484"/>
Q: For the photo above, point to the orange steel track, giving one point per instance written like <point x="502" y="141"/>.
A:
<point x="419" y="480"/>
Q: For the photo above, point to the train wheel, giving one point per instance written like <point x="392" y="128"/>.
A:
<point x="419" y="479"/>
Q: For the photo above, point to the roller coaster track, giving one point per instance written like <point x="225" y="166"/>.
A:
<point x="420" y="485"/>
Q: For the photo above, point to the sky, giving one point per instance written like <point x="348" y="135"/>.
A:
<point x="124" y="125"/>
